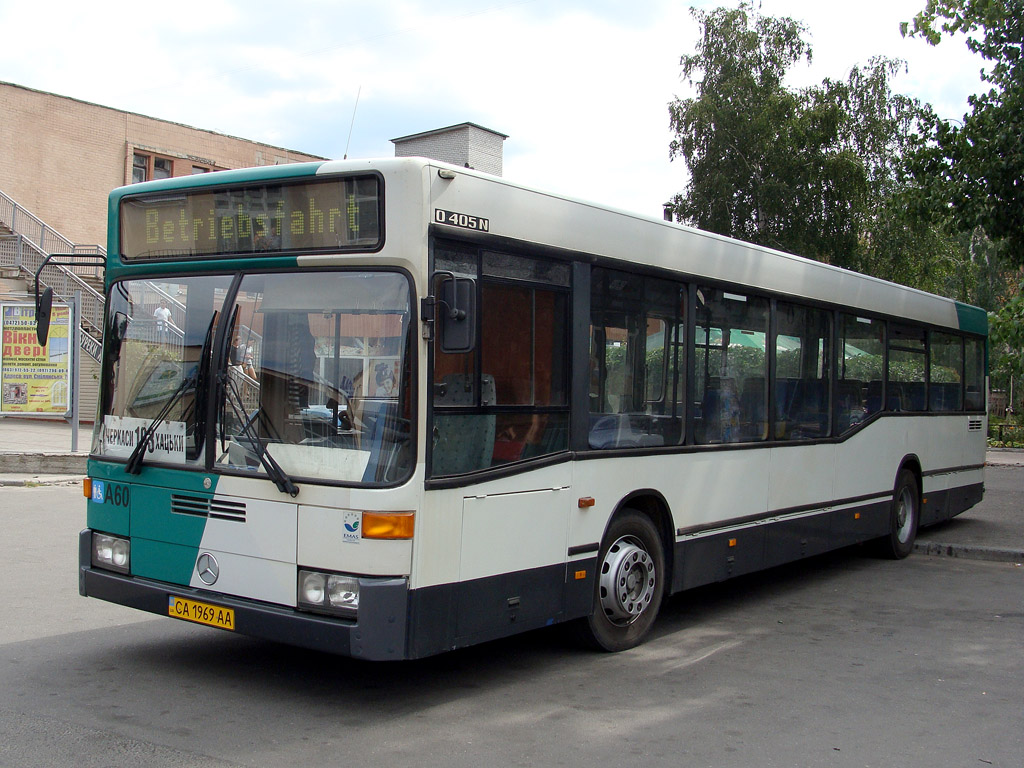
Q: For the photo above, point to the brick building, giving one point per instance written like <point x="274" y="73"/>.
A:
<point x="60" y="157"/>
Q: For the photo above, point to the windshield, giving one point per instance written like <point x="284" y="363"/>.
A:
<point x="158" y="333"/>
<point x="312" y="368"/>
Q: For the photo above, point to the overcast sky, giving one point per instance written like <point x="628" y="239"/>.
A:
<point x="580" y="86"/>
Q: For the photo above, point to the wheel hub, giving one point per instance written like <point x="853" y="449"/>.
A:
<point x="904" y="516"/>
<point x="628" y="579"/>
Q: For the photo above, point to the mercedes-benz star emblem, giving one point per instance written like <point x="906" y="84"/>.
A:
<point x="207" y="568"/>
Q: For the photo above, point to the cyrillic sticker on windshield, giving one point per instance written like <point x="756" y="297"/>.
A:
<point x="121" y="435"/>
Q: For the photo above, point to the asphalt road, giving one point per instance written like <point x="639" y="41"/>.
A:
<point x="843" y="660"/>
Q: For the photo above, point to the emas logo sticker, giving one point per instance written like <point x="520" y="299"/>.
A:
<point x="352" y="523"/>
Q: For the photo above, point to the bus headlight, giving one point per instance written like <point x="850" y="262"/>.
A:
<point x="111" y="553"/>
<point x="329" y="592"/>
<point x="312" y="587"/>
<point x="343" y="592"/>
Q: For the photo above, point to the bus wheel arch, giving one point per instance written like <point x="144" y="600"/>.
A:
<point x="632" y="575"/>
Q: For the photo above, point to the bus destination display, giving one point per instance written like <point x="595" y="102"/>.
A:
<point x="256" y="219"/>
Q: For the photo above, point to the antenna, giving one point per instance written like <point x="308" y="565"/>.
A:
<point x="352" y="124"/>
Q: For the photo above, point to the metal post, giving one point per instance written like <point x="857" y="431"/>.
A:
<point x="75" y="353"/>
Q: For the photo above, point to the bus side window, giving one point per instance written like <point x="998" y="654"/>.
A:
<point x="507" y="400"/>
<point x="974" y="374"/>
<point x="803" y="372"/>
<point x="945" y="372"/>
<point x="731" y="366"/>
<point x="861" y="369"/>
<point x="636" y="380"/>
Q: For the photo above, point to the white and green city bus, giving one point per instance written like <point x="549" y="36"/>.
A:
<point x="391" y="408"/>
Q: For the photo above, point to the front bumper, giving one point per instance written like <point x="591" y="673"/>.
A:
<point x="379" y="633"/>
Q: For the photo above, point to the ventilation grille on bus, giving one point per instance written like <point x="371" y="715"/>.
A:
<point x="201" y="507"/>
<point x="974" y="425"/>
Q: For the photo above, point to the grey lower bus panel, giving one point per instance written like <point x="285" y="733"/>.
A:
<point x="716" y="556"/>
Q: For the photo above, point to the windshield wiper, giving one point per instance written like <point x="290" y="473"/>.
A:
<point x="195" y="379"/>
<point x="274" y="471"/>
<point x="134" y="465"/>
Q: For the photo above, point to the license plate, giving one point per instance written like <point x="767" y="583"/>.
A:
<point x="201" y="613"/>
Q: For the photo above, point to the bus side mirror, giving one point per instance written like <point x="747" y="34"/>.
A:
<point x="44" y="308"/>
<point x="452" y="313"/>
<point x="456" y="310"/>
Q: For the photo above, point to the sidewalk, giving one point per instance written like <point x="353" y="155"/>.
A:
<point x="993" y="530"/>
<point x="34" y="447"/>
<point x="37" y="452"/>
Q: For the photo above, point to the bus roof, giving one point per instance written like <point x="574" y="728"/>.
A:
<point x="519" y="212"/>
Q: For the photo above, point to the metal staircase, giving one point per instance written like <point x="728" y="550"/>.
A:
<point x="25" y="241"/>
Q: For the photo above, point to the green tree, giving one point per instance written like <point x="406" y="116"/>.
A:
<point x="1006" y="345"/>
<point x="879" y="129"/>
<point x="816" y="171"/>
<point x="755" y="149"/>
<point x="974" y="169"/>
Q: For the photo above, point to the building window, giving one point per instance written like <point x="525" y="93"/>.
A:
<point x="197" y="169"/>
<point x="162" y="168"/>
<point x="146" y="167"/>
<point x="140" y="168"/>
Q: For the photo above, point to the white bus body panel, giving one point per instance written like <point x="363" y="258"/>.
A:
<point x="501" y="526"/>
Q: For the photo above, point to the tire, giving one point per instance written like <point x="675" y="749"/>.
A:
<point x="629" y="584"/>
<point x="904" y="517"/>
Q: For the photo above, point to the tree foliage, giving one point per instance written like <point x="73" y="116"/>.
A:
<point x="755" y="149"/>
<point x="817" y="171"/>
<point x="1006" y="344"/>
<point x="972" y="172"/>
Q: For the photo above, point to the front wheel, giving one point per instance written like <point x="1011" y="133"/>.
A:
<point x="630" y="583"/>
<point x="904" y="518"/>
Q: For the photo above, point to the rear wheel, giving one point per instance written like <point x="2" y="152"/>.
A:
<point x="630" y="583"/>
<point x="904" y="518"/>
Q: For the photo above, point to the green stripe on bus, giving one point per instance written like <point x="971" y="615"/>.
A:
<point x="972" y="319"/>
<point x="163" y="561"/>
<point x="221" y="178"/>
<point x="165" y="544"/>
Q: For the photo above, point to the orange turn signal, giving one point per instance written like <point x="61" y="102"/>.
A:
<point x="87" y="487"/>
<point x="388" y="525"/>
<point x="586" y="501"/>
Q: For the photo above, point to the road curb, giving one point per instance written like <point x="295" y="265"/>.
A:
<point x="970" y="552"/>
<point x="21" y="481"/>
<point x="43" y="463"/>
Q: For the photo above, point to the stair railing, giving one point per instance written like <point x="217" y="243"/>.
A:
<point x="33" y="241"/>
